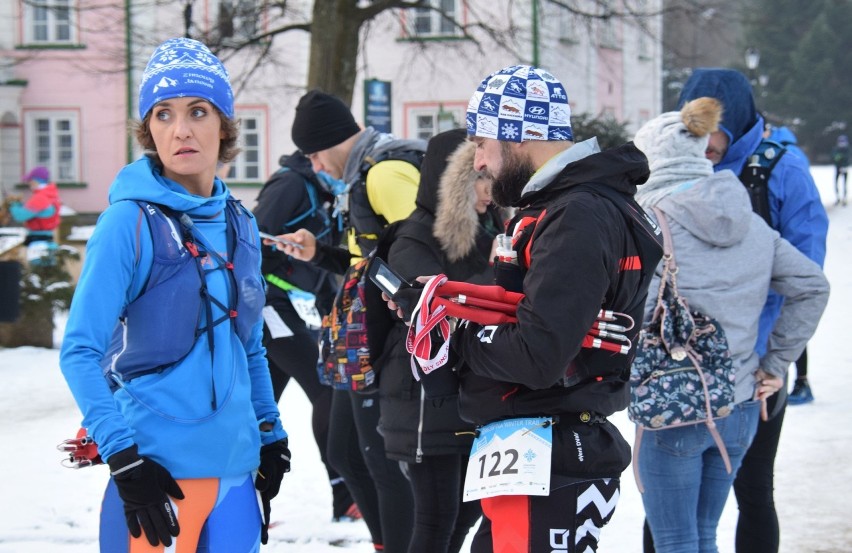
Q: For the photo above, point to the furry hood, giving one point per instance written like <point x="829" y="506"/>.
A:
<point x="456" y="220"/>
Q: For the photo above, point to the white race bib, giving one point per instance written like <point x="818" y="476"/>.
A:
<point x="276" y="325"/>
<point x="510" y="457"/>
<point x="305" y="305"/>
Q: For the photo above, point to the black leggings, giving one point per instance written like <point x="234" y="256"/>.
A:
<point x="296" y="357"/>
<point x="757" y="525"/>
<point x="441" y="519"/>
<point x="802" y="365"/>
<point x="357" y="451"/>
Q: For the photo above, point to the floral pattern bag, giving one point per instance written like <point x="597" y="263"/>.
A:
<point x="682" y="373"/>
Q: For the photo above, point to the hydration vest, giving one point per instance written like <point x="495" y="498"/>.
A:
<point x="755" y="176"/>
<point x="367" y="224"/>
<point x="646" y="237"/>
<point x="161" y="326"/>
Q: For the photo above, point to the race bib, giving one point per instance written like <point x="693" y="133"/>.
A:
<point x="510" y="457"/>
<point x="276" y="325"/>
<point x="305" y="305"/>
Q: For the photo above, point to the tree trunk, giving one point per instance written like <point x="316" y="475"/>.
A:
<point x="33" y="328"/>
<point x="335" y="40"/>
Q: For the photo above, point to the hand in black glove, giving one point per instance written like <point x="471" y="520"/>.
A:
<point x="274" y="463"/>
<point x="145" y="486"/>
<point x="406" y="299"/>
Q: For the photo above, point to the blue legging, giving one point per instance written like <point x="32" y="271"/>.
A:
<point x="216" y="516"/>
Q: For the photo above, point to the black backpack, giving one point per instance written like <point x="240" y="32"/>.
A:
<point x="755" y="176"/>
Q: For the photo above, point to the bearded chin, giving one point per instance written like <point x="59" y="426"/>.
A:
<point x="508" y="185"/>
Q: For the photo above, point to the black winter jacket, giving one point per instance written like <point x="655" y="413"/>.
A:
<point x="459" y="247"/>
<point x="537" y="367"/>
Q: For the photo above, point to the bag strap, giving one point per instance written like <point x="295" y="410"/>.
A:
<point x="669" y="276"/>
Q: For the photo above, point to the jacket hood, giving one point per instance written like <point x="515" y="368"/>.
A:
<point x="622" y="168"/>
<point x="142" y="180"/>
<point x="457" y="223"/>
<point x="783" y="136"/>
<point x="436" y="161"/>
<point x="729" y="87"/>
<point x="715" y="209"/>
<point x="298" y="163"/>
<point x="49" y="190"/>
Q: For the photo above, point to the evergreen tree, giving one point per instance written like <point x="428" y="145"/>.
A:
<point x="806" y="51"/>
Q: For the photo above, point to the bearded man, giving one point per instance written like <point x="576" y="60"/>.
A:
<point x="547" y="462"/>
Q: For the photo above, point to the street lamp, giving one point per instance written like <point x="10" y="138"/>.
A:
<point x="752" y="59"/>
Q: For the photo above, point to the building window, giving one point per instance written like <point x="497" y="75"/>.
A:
<point x="238" y="20"/>
<point x="49" y="22"/>
<point x="53" y="141"/>
<point x="427" y="121"/>
<point x="439" y="21"/>
<point x="570" y="27"/>
<point x="607" y="26"/>
<point x="250" y="163"/>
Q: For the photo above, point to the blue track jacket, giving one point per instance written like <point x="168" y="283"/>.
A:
<point x="169" y="415"/>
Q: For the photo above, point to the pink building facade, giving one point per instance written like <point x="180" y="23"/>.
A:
<point x="69" y="74"/>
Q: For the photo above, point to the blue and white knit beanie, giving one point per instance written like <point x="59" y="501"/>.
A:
<point x="183" y="67"/>
<point x="520" y="103"/>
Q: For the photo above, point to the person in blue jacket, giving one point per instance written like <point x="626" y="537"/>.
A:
<point x="797" y="213"/>
<point x="162" y="349"/>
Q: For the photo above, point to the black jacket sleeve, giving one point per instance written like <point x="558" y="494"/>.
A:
<point x="574" y="258"/>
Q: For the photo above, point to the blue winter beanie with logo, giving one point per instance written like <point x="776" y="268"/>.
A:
<point x="520" y="103"/>
<point x="183" y="67"/>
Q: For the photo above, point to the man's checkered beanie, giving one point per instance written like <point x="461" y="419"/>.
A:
<point x="520" y="103"/>
<point x="182" y="67"/>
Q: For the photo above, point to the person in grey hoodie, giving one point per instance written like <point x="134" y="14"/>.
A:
<point x="728" y="258"/>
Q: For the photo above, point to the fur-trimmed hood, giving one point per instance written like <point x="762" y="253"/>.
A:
<point x="456" y="221"/>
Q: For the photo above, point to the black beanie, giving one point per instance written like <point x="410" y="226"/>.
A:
<point x="322" y="121"/>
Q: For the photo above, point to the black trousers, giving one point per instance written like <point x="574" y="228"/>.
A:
<point x="295" y="357"/>
<point x="357" y="452"/>
<point x="441" y="519"/>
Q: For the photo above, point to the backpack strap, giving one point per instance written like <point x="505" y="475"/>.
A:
<point x="755" y="176"/>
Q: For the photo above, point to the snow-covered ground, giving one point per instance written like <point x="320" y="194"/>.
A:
<point x="45" y="507"/>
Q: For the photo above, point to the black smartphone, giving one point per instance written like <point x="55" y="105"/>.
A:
<point x="385" y="278"/>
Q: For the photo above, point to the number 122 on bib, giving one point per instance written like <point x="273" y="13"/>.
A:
<point x="510" y="457"/>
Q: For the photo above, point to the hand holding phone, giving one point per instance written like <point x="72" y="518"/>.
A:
<point x="385" y="278"/>
<point x="404" y="294"/>
<point x="274" y="238"/>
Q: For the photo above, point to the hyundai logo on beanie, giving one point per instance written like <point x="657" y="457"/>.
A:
<point x="520" y="103"/>
<point x="183" y="67"/>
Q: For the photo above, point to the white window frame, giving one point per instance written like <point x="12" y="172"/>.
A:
<point x="434" y="19"/>
<point x="240" y="170"/>
<point x="54" y="147"/>
<point x="46" y="14"/>
<point x="418" y="115"/>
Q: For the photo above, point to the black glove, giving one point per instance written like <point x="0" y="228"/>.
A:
<point x="145" y="486"/>
<point x="406" y="298"/>
<point x="274" y="463"/>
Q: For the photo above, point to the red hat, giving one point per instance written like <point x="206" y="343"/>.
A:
<point x="37" y="173"/>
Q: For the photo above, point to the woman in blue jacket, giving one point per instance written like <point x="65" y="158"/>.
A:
<point x="162" y="349"/>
